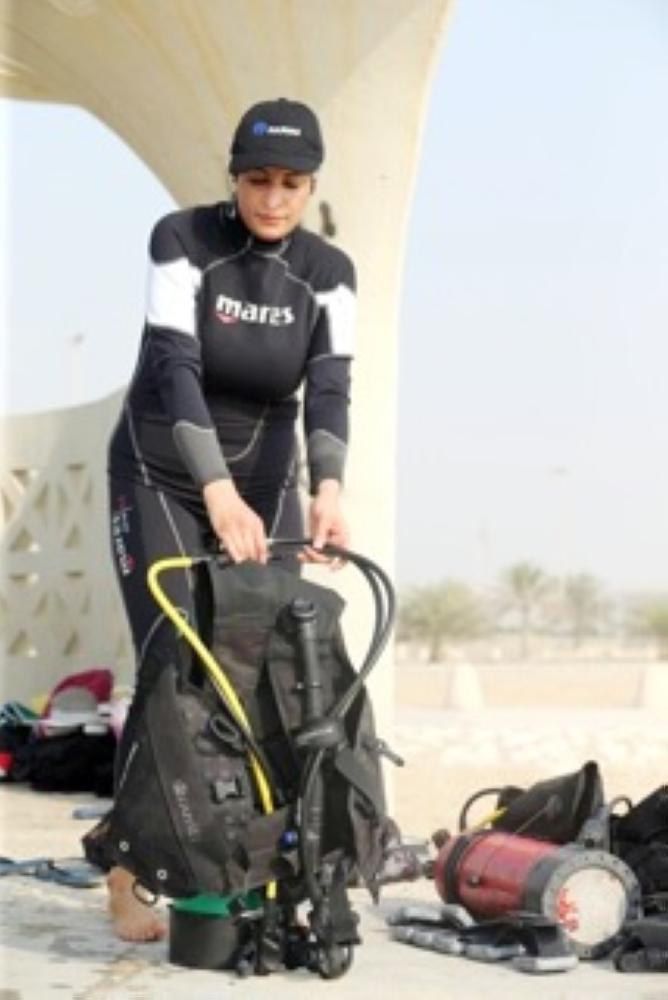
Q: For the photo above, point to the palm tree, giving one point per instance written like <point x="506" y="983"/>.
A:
<point x="525" y="590"/>
<point x="583" y="605"/>
<point x="650" y="617"/>
<point x="439" y="612"/>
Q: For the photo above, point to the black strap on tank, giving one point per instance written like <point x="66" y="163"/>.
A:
<point x="462" y="843"/>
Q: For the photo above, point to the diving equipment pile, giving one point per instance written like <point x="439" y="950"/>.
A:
<point x="554" y="874"/>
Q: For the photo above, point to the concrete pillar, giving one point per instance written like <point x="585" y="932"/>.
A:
<point x="653" y="688"/>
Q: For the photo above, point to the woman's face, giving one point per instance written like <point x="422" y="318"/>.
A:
<point x="272" y="200"/>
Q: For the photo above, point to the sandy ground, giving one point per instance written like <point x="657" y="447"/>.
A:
<point x="518" y="723"/>
<point x="450" y="755"/>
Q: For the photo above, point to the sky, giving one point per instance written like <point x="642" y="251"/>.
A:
<point x="532" y="417"/>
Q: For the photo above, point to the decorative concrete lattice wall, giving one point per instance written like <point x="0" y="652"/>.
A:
<point x="58" y="600"/>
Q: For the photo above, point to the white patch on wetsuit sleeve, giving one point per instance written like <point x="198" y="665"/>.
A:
<point x="340" y="305"/>
<point x="326" y="456"/>
<point x="170" y="295"/>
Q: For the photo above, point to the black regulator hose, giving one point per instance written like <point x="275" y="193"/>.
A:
<point x="384" y="603"/>
<point x="384" y="607"/>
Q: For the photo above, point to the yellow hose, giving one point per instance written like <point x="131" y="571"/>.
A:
<point x="216" y="674"/>
<point x="488" y="819"/>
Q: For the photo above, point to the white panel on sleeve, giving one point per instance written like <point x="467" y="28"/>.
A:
<point x="340" y="304"/>
<point x="170" y="295"/>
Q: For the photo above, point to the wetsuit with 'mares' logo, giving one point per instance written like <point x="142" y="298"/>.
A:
<point x="234" y="328"/>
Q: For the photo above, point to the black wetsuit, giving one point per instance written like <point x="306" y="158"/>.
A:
<point x="234" y="328"/>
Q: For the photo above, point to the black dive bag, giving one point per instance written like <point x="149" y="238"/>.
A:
<point x="640" y="838"/>
<point x="187" y="818"/>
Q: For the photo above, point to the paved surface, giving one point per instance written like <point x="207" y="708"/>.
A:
<point x="57" y="944"/>
<point x="555" y="739"/>
<point x="57" y="941"/>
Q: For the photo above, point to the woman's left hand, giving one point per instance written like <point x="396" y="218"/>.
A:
<point x="327" y="524"/>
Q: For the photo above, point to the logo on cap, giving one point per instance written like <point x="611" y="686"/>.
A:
<point x="264" y="128"/>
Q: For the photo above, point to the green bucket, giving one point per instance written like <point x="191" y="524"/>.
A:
<point x="205" y="932"/>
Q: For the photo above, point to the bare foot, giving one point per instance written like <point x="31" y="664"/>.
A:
<point x="132" y="919"/>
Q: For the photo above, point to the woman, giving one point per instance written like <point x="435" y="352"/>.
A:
<point x="243" y="308"/>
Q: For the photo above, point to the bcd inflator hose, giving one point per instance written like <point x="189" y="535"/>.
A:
<point x="215" y="672"/>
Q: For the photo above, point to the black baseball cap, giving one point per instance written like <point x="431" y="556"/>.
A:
<point x="279" y="133"/>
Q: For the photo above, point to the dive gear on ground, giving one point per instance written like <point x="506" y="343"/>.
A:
<point x="552" y="874"/>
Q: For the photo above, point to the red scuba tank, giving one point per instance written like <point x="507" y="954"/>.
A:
<point x="590" y="893"/>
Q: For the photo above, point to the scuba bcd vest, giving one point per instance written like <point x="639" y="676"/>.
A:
<point x="187" y="817"/>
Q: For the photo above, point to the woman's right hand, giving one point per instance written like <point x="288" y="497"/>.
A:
<point x="236" y="525"/>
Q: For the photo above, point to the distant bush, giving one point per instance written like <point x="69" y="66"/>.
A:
<point x="441" y="613"/>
